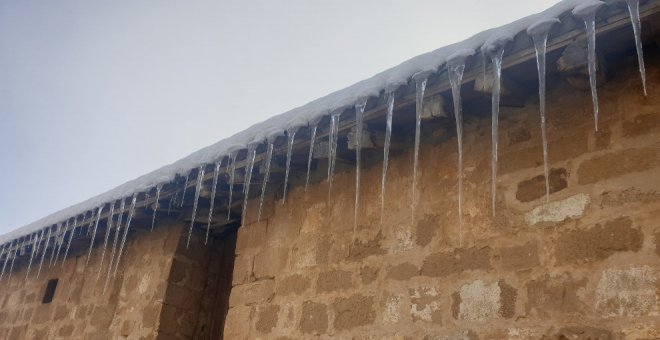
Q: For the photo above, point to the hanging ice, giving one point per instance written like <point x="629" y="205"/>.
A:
<point x="539" y="34"/>
<point x="232" y="174"/>
<point x="251" y="154"/>
<point x="420" y="84"/>
<point x="198" y="188"/>
<point x="91" y="242"/>
<point x="68" y="245"/>
<point x="496" y="58"/>
<point x="131" y="211"/>
<point x="312" y="140"/>
<point x="7" y="253"/>
<point x="185" y="187"/>
<point x="269" y="156"/>
<point x="35" y="241"/>
<point x="633" y="9"/>
<point x="587" y="12"/>
<point x="216" y="173"/>
<point x="456" y="67"/>
<point x="56" y="243"/>
<point x="43" y="252"/>
<point x="386" y="150"/>
<point x="105" y="239"/>
<point x="332" y="148"/>
<point x="159" y="187"/>
<point x="122" y="205"/>
<point x="291" y="134"/>
<point x="11" y="267"/>
<point x="359" y="115"/>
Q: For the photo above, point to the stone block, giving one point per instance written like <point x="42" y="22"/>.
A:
<point x="354" y="311"/>
<point x="334" y="280"/>
<point x="237" y="323"/>
<point x="443" y="264"/>
<point x="314" y="318"/>
<point x="363" y="249"/>
<point x="242" y="270"/>
<point x="559" y="150"/>
<point x="252" y="293"/>
<point x="292" y="284"/>
<point x="558" y="211"/>
<point x="426" y="229"/>
<point x="267" y="316"/>
<point x="598" y="242"/>
<point x="616" y="164"/>
<point x="425" y="304"/>
<point x="479" y="301"/>
<point x="520" y="257"/>
<point x="251" y="237"/>
<point x="642" y="125"/>
<point x="269" y="262"/>
<point x="370" y="274"/>
<point x="534" y="188"/>
<point x="555" y="294"/>
<point x="402" y="271"/>
<point x="630" y="292"/>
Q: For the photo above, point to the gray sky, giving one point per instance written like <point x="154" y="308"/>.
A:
<point x="95" y="93"/>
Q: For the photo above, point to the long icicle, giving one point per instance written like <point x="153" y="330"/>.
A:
<point x="4" y="263"/>
<point x="251" y="154"/>
<point x="56" y="238"/>
<point x="456" y="70"/>
<point x="216" y="173"/>
<point x="420" y="84"/>
<point x="386" y="151"/>
<point x="159" y="187"/>
<point x="332" y="150"/>
<point x="35" y="241"/>
<point x="91" y="242"/>
<point x="633" y="9"/>
<point x="131" y="211"/>
<point x="105" y="239"/>
<point x="43" y="252"/>
<point x="587" y="12"/>
<point x="185" y="187"/>
<point x="539" y="35"/>
<point x="232" y="174"/>
<point x="496" y="58"/>
<point x="122" y="205"/>
<point x="65" y="226"/>
<point x="198" y="188"/>
<point x="11" y="267"/>
<point x="312" y="140"/>
<point x="269" y="156"/>
<point x="291" y="135"/>
<point x="359" y="117"/>
<point x="68" y="245"/>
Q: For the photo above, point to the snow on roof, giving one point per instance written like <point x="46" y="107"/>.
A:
<point x="315" y="110"/>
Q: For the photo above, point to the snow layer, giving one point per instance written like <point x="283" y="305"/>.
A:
<point x="312" y="112"/>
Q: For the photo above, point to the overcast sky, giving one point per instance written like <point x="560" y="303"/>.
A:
<point x="95" y="93"/>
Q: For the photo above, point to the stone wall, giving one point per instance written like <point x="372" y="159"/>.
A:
<point x="130" y="307"/>
<point x="584" y="265"/>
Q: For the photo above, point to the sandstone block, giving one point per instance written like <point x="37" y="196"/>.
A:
<point x="370" y="274"/>
<point x="425" y="304"/>
<point x="479" y="301"/>
<point x="293" y="284"/>
<point x="251" y="237"/>
<point x="354" y="311"/>
<point x="363" y="249"/>
<point x="534" y="188"/>
<point x="402" y="271"/>
<point x="334" y="280"/>
<point x="267" y="316"/>
<point x="269" y="262"/>
<point x="237" y="323"/>
<point x="558" y="211"/>
<point x="598" y="242"/>
<point x="627" y="292"/>
<point x="555" y="294"/>
<point x="252" y="293"/>
<point x="616" y="164"/>
<point x="641" y="125"/>
<point x="520" y="257"/>
<point x="443" y="264"/>
<point x="314" y="319"/>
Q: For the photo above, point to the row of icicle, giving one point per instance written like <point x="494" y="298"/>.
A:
<point x="456" y="67"/>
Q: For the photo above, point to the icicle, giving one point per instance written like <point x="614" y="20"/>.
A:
<point x="198" y="188"/>
<point x="232" y="174"/>
<point x="332" y="149"/>
<point x="43" y="252"/>
<point x="216" y="173"/>
<point x="496" y="58"/>
<point x="105" y="239"/>
<point x="185" y="187"/>
<point x="386" y="150"/>
<point x="64" y="226"/>
<point x="159" y="187"/>
<point x="633" y="9"/>
<point x="588" y="13"/>
<point x="420" y="82"/>
<point x="11" y="267"/>
<point x="35" y="247"/>
<point x="131" y="211"/>
<point x="269" y="156"/>
<point x="456" y="69"/>
<point x="68" y="245"/>
<point x="122" y="205"/>
<point x="251" y="154"/>
<point x="291" y="134"/>
<point x="312" y="140"/>
<point x="4" y="263"/>
<point x="539" y="34"/>
<point x="56" y="242"/>
<point x="91" y="242"/>
<point x="170" y="204"/>
<point x="359" y="115"/>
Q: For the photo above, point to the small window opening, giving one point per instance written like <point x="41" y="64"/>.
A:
<point x="50" y="291"/>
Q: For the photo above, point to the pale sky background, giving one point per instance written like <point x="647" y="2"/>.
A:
<point x="95" y="93"/>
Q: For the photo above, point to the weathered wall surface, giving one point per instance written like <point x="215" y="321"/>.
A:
<point x="585" y="265"/>
<point x="130" y="308"/>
